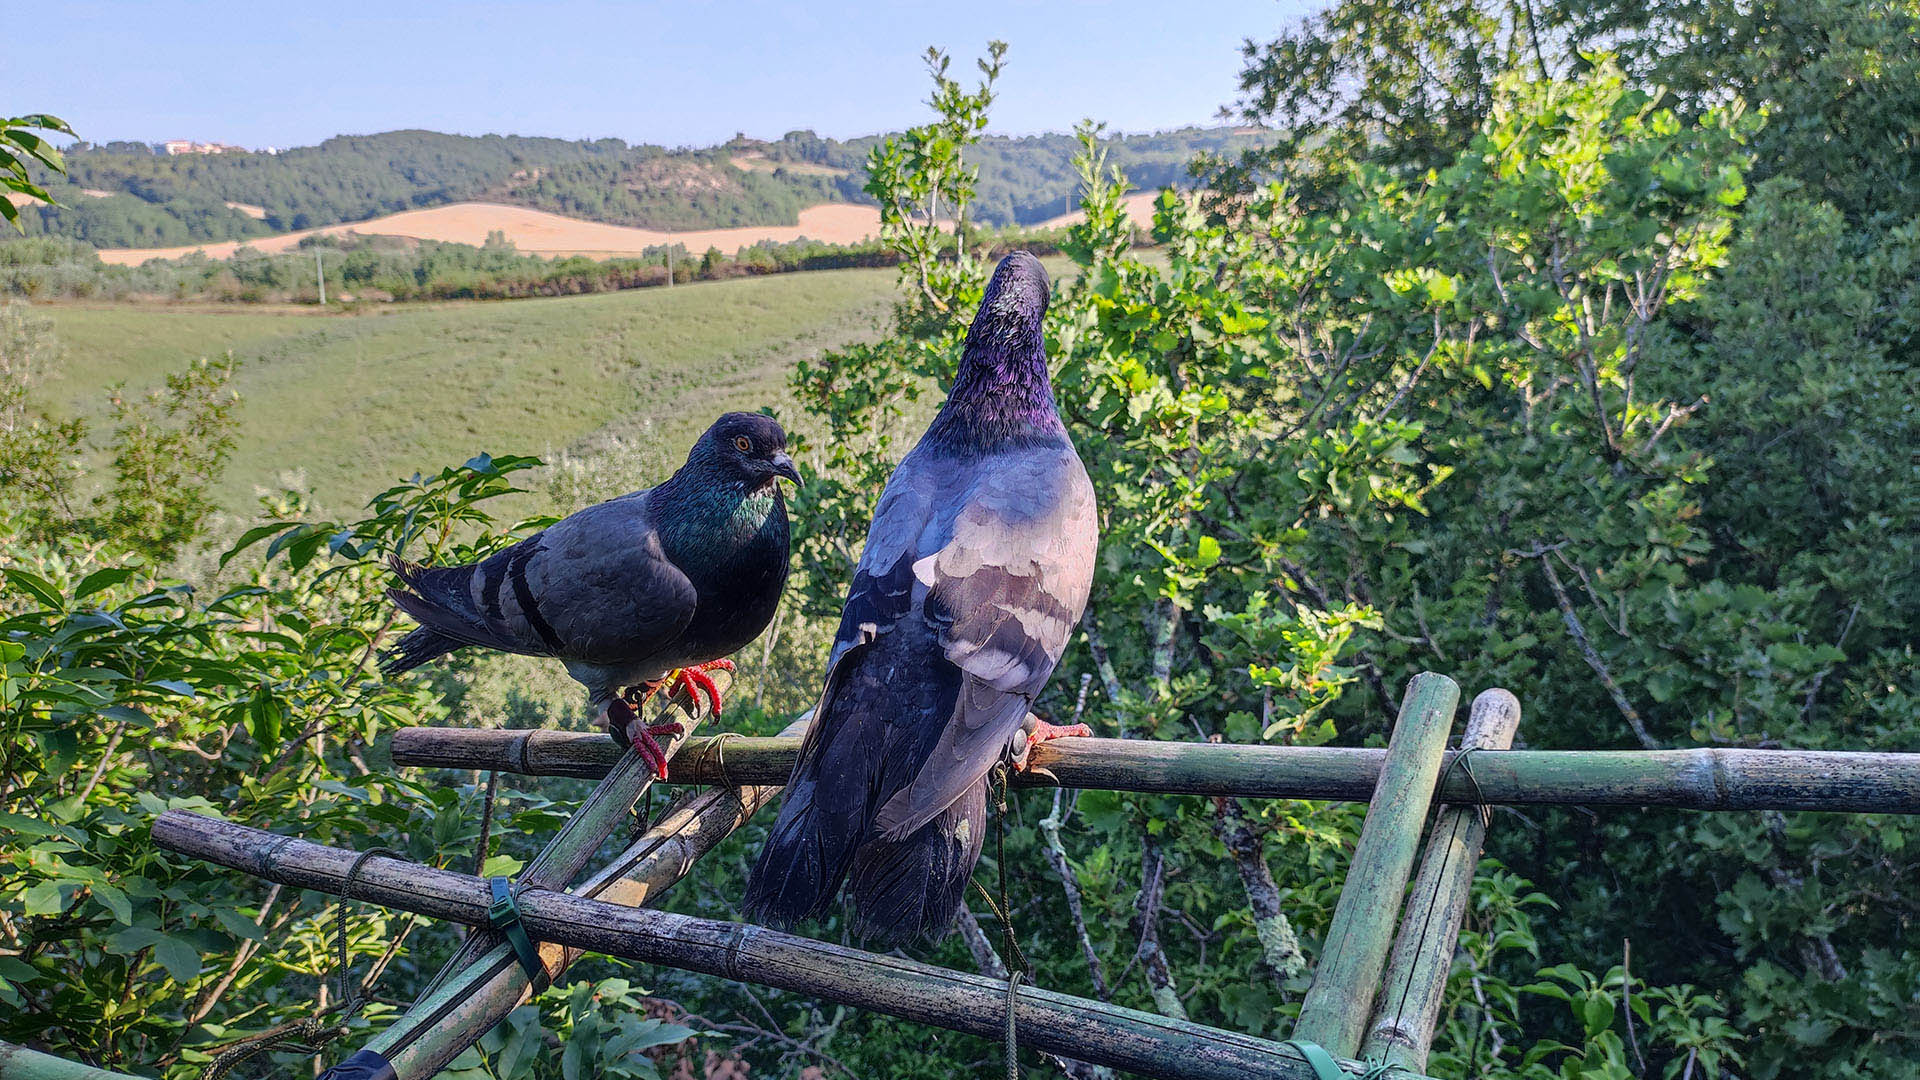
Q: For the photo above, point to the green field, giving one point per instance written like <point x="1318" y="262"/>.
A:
<point x="350" y="401"/>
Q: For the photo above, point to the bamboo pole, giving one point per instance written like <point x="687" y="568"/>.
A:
<point x="1698" y="779"/>
<point x="1334" y="1012"/>
<point x="1416" y="978"/>
<point x="607" y="808"/>
<point x="1055" y="1023"/>
<point x="454" y="1015"/>
<point x="19" y="1063"/>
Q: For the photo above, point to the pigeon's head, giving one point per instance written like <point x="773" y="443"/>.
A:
<point x="1015" y="302"/>
<point x="750" y="447"/>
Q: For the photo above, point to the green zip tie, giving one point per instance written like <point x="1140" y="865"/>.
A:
<point x="504" y="915"/>
<point x="1324" y="1067"/>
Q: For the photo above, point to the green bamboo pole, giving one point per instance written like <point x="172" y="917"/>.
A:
<point x="606" y="809"/>
<point x="1335" y="1010"/>
<point x="454" y="1015"/>
<point x="1698" y="779"/>
<point x="1422" y="956"/>
<point x="1090" y="1031"/>
<point x="19" y="1063"/>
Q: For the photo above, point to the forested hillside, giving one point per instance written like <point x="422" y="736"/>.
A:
<point x="1567" y="346"/>
<point x="127" y="195"/>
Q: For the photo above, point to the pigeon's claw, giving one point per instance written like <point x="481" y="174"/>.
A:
<point x="695" y="681"/>
<point x="645" y="739"/>
<point x="1040" y="732"/>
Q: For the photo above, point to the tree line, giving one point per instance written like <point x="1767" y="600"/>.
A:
<point x="128" y="195"/>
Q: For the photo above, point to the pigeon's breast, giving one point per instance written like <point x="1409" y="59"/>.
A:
<point x="739" y="594"/>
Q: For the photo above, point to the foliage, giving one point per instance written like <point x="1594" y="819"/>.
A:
<point x="168" y="446"/>
<point x="262" y="705"/>
<point x="1405" y="85"/>
<point x="19" y="145"/>
<point x="39" y="456"/>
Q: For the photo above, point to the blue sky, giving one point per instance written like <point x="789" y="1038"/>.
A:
<point x="685" y="73"/>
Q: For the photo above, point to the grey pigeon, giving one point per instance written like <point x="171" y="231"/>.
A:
<point x="663" y="583"/>
<point x="976" y="569"/>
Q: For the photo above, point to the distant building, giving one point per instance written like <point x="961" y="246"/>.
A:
<point x="188" y="146"/>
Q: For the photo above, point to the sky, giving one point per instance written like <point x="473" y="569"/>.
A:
<point x="688" y="73"/>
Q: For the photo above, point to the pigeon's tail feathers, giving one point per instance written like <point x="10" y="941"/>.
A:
<point x="443" y="588"/>
<point x="440" y="599"/>
<point x="912" y="888"/>
<point x="415" y="649"/>
<point x="801" y="865"/>
<point x="823" y="817"/>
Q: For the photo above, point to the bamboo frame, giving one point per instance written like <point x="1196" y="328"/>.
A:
<point x="1089" y="1031"/>
<point x="455" y="1014"/>
<point x="606" y="809"/>
<point x="1698" y="779"/>
<point x="1416" y="977"/>
<point x="19" y="1063"/>
<point x="1400" y="782"/>
<point x="1346" y="978"/>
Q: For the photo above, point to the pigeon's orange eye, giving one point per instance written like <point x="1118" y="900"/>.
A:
<point x="742" y="443"/>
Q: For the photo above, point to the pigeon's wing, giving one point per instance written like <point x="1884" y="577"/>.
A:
<point x="595" y="587"/>
<point x="1002" y="590"/>
<point x="882" y="592"/>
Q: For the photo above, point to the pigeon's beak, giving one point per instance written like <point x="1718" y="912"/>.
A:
<point x="783" y="466"/>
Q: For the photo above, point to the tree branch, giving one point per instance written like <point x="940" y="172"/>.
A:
<point x="1279" y="947"/>
<point x="1579" y="634"/>
<point x="1146" y="924"/>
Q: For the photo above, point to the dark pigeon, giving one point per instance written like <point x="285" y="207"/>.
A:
<point x="665" y="582"/>
<point x="976" y="569"/>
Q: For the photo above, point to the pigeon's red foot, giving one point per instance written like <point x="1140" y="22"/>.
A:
<point x="1040" y="732"/>
<point x="646" y="743"/>
<point x="695" y="682"/>
<point x="623" y="723"/>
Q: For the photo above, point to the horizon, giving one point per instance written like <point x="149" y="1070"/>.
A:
<point x="650" y="74"/>
<point x="1110" y="133"/>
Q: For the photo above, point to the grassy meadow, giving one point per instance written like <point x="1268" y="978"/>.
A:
<point x="344" y="402"/>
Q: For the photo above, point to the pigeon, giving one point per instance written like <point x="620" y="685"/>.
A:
<point x="653" y="587"/>
<point x="976" y="569"/>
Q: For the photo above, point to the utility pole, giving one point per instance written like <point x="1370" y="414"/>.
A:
<point x="320" y="272"/>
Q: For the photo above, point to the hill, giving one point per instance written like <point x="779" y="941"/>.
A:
<point x="124" y="195"/>
<point x="339" y="397"/>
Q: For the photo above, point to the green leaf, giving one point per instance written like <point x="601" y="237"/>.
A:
<point x="115" y="902"/>
<point x="132" y="716"/>
<point x="501" y="866"/>
<point x="40" y="587"/>
<point x="1596" y="1012"/>
<point x="1208" y="554"/>
<point x="42" y="898"/>
<point x="101" y="579"/>
<point x="179" y="957"/>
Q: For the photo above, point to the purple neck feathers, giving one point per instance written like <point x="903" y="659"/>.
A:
<point x="1001" y="393"/>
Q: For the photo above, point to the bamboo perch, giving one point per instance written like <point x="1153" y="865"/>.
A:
<point x="1699" y="779"/>
<point x="1346" y="978"/>
<point x="1416" y="978"/>
<point x="19" y="1063"/>
<point x="1056" y="1023"/>
<point x="454" y="1015"/>
<point x="606" y="809"/>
